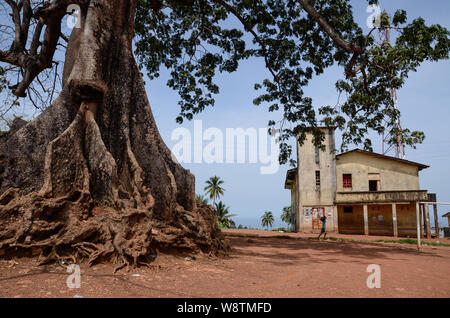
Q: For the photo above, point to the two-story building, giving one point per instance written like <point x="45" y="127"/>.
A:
<point x="360" y="192"/>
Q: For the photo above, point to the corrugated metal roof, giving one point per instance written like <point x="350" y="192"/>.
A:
<point x="421" y="166"/>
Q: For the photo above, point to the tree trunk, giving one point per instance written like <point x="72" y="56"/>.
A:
<point x="91" y="176"/>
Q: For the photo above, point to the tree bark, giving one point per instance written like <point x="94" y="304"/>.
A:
<point x="91" y="177"/>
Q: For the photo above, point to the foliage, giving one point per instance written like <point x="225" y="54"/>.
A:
<point x="287" y="216"/>
<point x="223" y="216"/>
<point x="214" y="188"/>
<point x="267" y="219"/>
<point x="297" y="39"/>
<point x="3" y="79"/>
<point x="369" y="104"/>
<point x="202" y="199"/>
<point x="196" y="40"/>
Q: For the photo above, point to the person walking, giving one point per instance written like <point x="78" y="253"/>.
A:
<point x="324" y="225"/>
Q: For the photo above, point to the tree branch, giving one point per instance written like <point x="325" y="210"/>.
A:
<point x="256" y="37"/>
<point x="50" y="15"/>
<point x="350" y="47"/>
<point x="17" y="26"/>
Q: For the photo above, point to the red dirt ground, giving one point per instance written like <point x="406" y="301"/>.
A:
<point x="255" y="267"/>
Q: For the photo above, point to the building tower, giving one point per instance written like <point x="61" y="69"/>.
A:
<point x="316" y="180"/>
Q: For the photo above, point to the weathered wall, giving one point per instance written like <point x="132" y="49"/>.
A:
<point x="380" y="219"/>
<point x="307" y="167"/>
<point x="351" y="223"/>
<point x="406" y="220"/>
<point x="294" y="204"/>
<point x="308" y="195"/>
<point x="393" y="175"/>
<point x="380" y="196"/>
<point x="308" y="218"/>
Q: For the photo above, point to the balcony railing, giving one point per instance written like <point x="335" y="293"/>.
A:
<point x="381" y="196"/>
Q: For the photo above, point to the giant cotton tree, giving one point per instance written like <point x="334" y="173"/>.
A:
<point x="91" y="177"/>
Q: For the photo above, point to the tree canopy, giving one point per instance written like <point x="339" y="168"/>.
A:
<point x="214" y="188"/>
<point x="287" y="216"/>
<point x="267" y="219"/>
<point x="297" y="39"/>
<point x="223" y="215"/>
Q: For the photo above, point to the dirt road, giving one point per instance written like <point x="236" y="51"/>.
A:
<point x="256" y="267"/>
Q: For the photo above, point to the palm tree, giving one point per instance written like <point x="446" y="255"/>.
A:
<point x="202" y="199"/>
<point x="223" y="217"/>
<point x="287" y="216"/>
<point x="213" y="188"/>
<point x="267" y="219"/>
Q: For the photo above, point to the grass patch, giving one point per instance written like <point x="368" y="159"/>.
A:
<point x="336" y="239"/>
<point x="413" y="241"/>
<point x="341" y="239"/>
<point x="399" y="241"/>
<point x="257" y="236"/>
<point x="281" y="229"/>
<point x="241" y="235"/>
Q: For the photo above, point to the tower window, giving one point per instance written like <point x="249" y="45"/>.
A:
<point x="347" y="180"/>
<point x="317" y="155"/>
<point x="317" y="180"/>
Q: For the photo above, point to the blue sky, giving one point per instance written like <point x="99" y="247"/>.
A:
<point x="424" y="102"/>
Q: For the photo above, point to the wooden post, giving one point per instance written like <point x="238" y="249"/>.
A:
<point x="427" y="220"/>
<point x="418" y="224"/>
<point x="366" y="220"/>
<point x="421" y="218"/>
<point x="394" y="219"/>
<point x="436" y="220"/>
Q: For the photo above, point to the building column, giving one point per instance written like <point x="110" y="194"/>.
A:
<point x="366" y="220"/>
<point x="436" y="220"/>
<point x="335" y="219"/>
<point x="418" y="224"/>
<point x="427" y="220"/>
<point x="421" y="218"/>
<point x="394" y="219"/>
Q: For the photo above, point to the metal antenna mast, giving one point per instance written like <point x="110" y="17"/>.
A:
<point x="398" y="147"/>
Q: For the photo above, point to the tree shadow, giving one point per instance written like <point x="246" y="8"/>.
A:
<point x="122" y="278"/>
<point x="292" y="251"/>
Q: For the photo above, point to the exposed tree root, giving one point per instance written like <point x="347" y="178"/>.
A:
<point x="66" y="229"/>
<point x="63" y="221"/>
<point x="63" y="229"/>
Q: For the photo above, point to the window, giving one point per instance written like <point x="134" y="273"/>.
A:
<point x="347" y="180"/>
<point x="317" y="155"/>
<point x="317" y="180"/>
<point x="348" y="209"/>
<point x="373" y="185"/>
